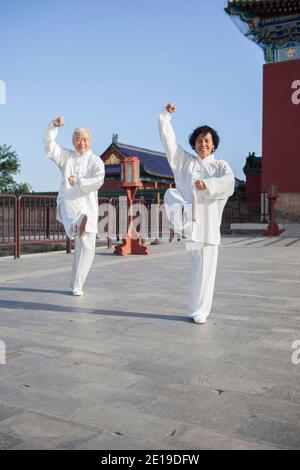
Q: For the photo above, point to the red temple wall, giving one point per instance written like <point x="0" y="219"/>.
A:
<point x="281" y="126"/>
<point x="111" y="185"/>
<point x="252" y="189"/>
<point x="253" y="183"/>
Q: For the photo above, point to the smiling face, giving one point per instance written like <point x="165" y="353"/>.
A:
<point x="204" y="145"/>
<point x="82" y="142"/>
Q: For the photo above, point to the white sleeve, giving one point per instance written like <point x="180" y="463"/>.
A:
<point x="53" y="150"/>
<point x="96" y="181"/>
<point x="220" y="187"/>
<point x="175" y="153"/>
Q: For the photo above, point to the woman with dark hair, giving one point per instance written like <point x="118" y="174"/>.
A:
<point x="203" y="185"/>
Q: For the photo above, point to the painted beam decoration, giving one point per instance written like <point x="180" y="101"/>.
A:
<point x="272" y="24"/>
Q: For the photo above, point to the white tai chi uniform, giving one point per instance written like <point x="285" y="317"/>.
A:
<point x="88" y="170"/>
<point x="204" y="230"/>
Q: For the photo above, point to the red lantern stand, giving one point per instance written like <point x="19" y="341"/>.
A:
<point x="157" y="241"/>
<point x="273" y="228"/>
<point x="130" y="176"/>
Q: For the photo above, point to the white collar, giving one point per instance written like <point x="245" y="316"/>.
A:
<point x="208" y="159"/>
<point x="86" y="154"/>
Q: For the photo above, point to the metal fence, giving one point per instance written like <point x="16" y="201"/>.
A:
<point x="31" y="220"/>
<point x="9" y="223"/>
<point x="37" y="224"/>
<point x="246" y="208"/>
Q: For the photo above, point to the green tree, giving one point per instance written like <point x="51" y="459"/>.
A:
<point x="22" y="188"/>
<point x="9" y="166"/>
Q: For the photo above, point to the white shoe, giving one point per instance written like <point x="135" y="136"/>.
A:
<point x="77" y="292"/>
<point x="198" y="319"/>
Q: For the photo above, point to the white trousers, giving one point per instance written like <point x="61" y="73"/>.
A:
<point x="84" y="247"/>
<point x="83" y="258"/>
<point x="68" y="214"/>
<point x="204" y="256"/>
<point x="203" y="275"/>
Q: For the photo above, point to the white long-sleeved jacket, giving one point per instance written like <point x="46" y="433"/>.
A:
<point x="89" y="172"/>
<point x="216" y="174"/>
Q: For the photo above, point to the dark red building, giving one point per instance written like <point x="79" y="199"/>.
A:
<point x="281" y="126"/>
<point x="275" y="27"/>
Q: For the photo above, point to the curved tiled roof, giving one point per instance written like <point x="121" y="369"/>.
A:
<point x="264" y="6"/>
<point x="152" y="163"/>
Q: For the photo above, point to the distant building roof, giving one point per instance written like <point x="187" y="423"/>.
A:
<point x="266" y="6"/>
<point x="252" y="165"/>
<point x="152" y="163"/>
<point x="272" y="24"/>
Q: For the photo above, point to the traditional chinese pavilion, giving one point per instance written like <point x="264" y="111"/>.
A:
<point x="274" y="25"/>
<point x="155" y="170"/>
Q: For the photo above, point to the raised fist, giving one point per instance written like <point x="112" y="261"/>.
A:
<point x="171" y="107"/>
<point x="58" y="122"/>
<point x="72" y="180"/>
<point x="200" y="185"/>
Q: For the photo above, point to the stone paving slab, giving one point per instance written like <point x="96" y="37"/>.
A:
<point x="124" y="368"/>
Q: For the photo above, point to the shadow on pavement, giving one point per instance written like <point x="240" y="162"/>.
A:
<point x="19" y="305"/>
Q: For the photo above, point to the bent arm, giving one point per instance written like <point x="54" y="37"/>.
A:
<point x="96" y="181"/>
<point x="220" y="187"/>
<point x="176" y="155"/>
<point x="53" y="150"/>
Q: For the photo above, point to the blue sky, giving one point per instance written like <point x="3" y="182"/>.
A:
<point x="111" y="65"/>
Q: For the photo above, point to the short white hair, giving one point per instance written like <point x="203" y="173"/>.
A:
<point x="81" y="130"/>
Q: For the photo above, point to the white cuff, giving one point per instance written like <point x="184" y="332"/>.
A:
<point x="165" y="113"/>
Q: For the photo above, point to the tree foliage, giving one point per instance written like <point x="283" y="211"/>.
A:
<point x="10" y="166"/>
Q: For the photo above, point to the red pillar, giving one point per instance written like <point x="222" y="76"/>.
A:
<point x="281" y="126"/>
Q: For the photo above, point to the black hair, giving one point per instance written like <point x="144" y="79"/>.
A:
<point x="204" y="130"/>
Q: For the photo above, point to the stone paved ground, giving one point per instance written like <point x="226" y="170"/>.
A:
<point x="123" y="368"/>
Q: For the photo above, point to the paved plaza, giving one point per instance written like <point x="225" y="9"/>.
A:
<point x="123" y="368"/>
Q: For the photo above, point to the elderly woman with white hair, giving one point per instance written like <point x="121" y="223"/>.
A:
<point x="77" y="203"/>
